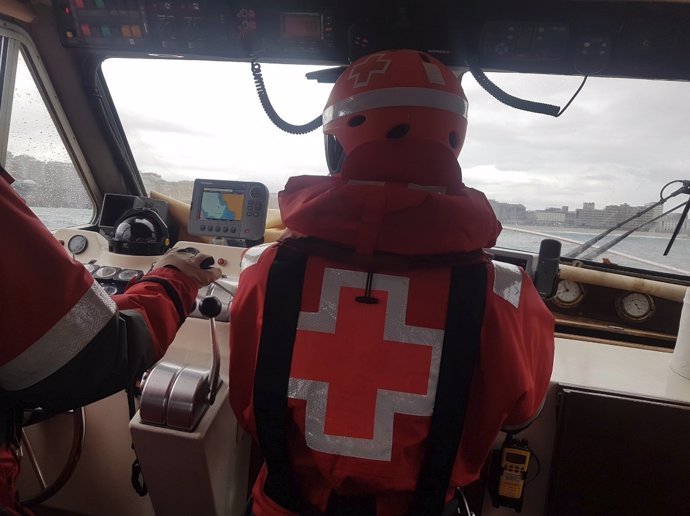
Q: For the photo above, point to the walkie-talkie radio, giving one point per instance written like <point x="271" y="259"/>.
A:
<point x="509" y="473"/>
<point x="515" y="457"/>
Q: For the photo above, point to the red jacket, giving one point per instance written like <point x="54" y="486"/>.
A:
<point x="65" y="342"/>
<point x="344" y="436"/>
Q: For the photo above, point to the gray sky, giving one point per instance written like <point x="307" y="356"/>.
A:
<point x="620" y="141"/>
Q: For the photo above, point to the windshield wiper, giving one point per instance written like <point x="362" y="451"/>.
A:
<point x="684" y="189"/>
<point x="682" y="218"/>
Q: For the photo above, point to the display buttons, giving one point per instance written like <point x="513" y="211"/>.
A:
<point x="86" y="30"/>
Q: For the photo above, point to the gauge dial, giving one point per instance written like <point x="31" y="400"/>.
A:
<point x="111" y="290"/>
<point x="91" y="267"/>
<point x="128" y="274"/>
<point x="636" y="306"/>
<point x="569" y="293"/>
<point x="77" y="244"/>
<point x="106" y="272"/>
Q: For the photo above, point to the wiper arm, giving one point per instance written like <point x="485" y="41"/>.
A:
<point x="682" y="219"/>
<point x="684" y="189"/>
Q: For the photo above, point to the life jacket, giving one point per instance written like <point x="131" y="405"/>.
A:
<point x="453" y="360"/>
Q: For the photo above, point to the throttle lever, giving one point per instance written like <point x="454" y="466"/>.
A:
<point x="207" y="263"/>
<point x="211" y="307"/>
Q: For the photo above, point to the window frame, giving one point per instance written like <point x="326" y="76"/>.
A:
<point x="20" y="41"/>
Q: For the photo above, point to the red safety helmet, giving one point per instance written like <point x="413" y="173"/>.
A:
<point x="395" y="94"/>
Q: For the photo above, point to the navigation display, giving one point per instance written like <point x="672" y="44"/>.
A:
<point x="229" y="211"/>
<point x="221" y="204"/>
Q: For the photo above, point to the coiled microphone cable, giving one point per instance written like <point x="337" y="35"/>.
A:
<point x="516" y="102"/>
<point x="271" y="112"/>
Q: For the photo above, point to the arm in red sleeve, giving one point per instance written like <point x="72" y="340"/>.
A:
<point x="246" y="314"/>
<point x="535" y="356"/>
<point x="160" y="303"/>
<point x="72" y="346"/>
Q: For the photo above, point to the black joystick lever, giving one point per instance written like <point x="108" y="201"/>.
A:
<point x="207" y="263"/>
<point x="211" y="307"/>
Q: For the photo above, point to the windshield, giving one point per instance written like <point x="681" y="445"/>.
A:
<point x="606" y="158"/>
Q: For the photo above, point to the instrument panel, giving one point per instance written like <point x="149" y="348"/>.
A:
<point x="626" y="39"/>
<point x="194" y="26"/>
<point x="614" y="314"/>
<point x="114" y="271"/>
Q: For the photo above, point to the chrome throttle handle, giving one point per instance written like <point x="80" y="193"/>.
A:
<point x="211" y="307"/>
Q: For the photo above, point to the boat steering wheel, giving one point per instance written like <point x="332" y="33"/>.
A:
<point x="49" y="487"/>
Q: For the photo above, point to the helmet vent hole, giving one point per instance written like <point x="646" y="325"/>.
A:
<point x="398" y="131"/>
<point x="424" y="57"/>
<point x="356" y="120"/>
<point x="454" y="139"/>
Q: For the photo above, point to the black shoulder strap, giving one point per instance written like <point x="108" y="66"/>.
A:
<point x="461" y="342"/>
<point x="281" y="307"/>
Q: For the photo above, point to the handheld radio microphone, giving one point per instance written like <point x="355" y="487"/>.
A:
<point x="546" y="276"/>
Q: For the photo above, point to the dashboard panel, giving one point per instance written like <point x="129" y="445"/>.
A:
<point x="581" y="309"/>
<point x="614" y="315"/>
<point x="115" y="271"/>
<point x="626" y="39"/>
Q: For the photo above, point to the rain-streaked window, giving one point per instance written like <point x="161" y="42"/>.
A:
<point x="36" y="157"/>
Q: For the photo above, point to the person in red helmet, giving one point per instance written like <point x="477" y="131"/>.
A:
<point x="77" y="345"/>
<point x="376" y="349"/>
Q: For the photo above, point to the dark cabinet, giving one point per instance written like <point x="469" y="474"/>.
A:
<point x="619" y="455"/>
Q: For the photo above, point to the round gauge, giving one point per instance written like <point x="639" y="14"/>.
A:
<point x="111" y="290"/>
<point x="77" y="244"/>
<point x="569" y="293"/>
<point x="91" y="267"/>
<point x="127" y="274"/>
<point x="106" y="272"/>
<point x="635" y="306"/>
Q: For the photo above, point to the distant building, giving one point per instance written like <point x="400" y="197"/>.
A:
<point x="589" y="216"/>
<point x="612" y="215"/>
<point x="670" y="221"/>
<point x="550" y="217"/>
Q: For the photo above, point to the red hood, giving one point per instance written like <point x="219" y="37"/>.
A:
<point x="388" y="217"/>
